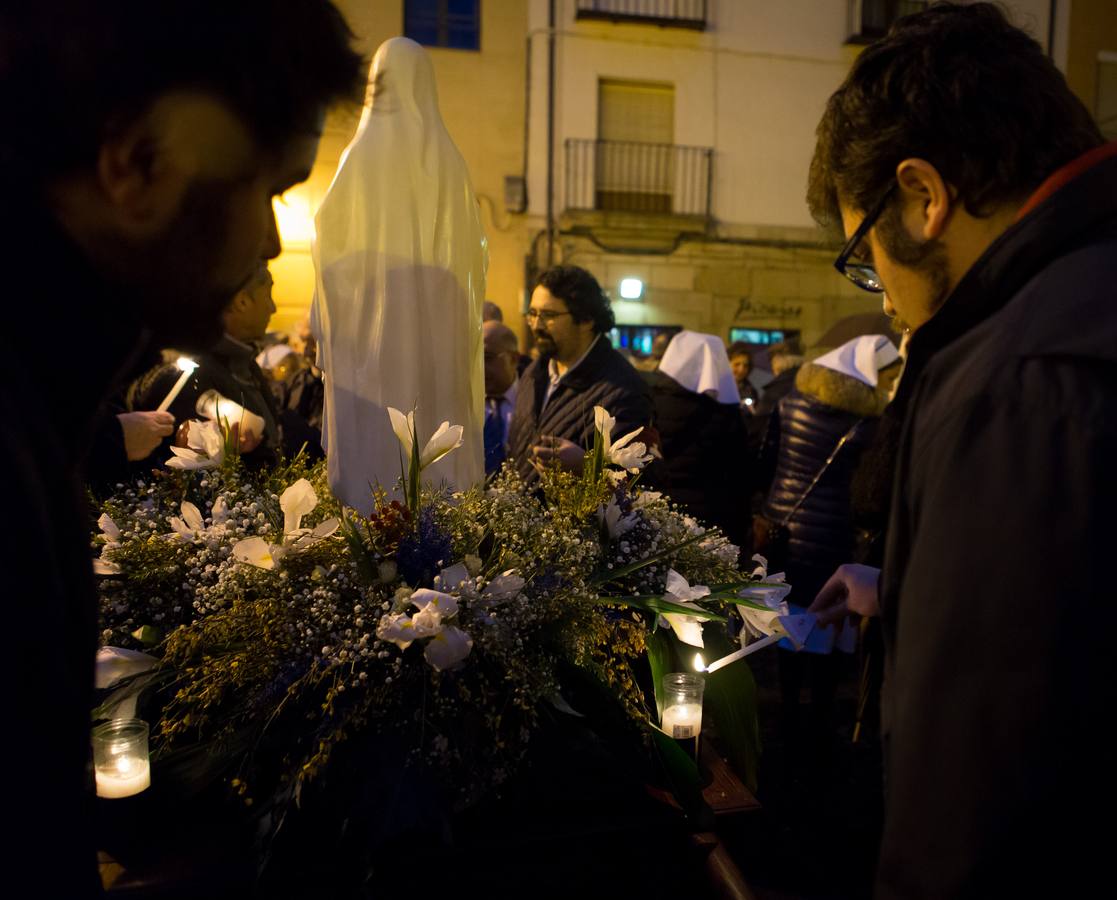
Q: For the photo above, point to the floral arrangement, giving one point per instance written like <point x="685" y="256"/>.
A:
<point x="285" y="625"/>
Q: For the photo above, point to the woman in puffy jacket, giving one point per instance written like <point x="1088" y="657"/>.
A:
<point x="819" y="433"/>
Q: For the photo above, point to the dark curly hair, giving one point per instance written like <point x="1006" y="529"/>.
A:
<point x="958" y="86"/>
<point x="581" y="293"/>
<point x="72" y="71"/>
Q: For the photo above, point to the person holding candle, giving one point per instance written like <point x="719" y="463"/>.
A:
<point x="230" y="369"/>
<point x="975" y="190"/>
<point x="142" y="149"/>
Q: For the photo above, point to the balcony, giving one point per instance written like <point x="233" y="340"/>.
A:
<point x="667" y="13"/>
<point x="628" y="177"/>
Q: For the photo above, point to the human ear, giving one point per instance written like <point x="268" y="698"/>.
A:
<point x="925" y="197"/>
<point x="134" y="175"/>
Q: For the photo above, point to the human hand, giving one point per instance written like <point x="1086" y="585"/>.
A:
<point x="852" y="589"/>
<point x="144" y="432"/>
<point x="568" y="454"/>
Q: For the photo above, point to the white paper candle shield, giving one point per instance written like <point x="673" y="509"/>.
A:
<point x="212" y="405"/>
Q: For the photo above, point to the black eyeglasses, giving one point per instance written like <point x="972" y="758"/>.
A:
<point x="546" y="316"/>
<point x="860" y="273"/>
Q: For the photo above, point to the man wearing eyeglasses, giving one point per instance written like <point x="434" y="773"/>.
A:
<point x="976" y="192"/>
<point x="577" y="369"/>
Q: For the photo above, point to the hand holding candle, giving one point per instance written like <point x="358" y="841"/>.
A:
<point x="187" y="367"/>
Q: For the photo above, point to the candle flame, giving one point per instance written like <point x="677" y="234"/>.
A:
<point x="186" y="364"/>
<point x="699" y="663"/>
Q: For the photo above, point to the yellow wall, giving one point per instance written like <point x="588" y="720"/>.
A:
<point x="1093" y="28"/>
<point x="481" y="95"/>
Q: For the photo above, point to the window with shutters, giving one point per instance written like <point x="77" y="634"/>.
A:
<point x="455" y="24"/>
<point x="635" y="166"/>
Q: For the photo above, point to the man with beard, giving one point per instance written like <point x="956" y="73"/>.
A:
<point x="577" y="370"/>
<point x="975" y="189"/>
<point x="143" y="145"/>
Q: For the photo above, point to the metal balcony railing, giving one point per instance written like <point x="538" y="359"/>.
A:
<point x="625" y="176"/>
<point x="670" y="13"/>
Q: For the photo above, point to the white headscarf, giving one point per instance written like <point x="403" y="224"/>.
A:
<point x="400" y="261"/>
<point x="700" y="363"/>
<point x="862" y="358"/>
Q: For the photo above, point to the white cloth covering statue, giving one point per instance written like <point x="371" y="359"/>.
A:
<point x="400" y="259"/>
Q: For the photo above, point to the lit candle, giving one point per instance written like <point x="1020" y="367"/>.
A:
<point x="682" y="706"/>
<point x="123" y="777"/>
<point x="743" y="652"/>
<point x="187" y="367"/>
<point x="120" y="763"/>
<point x="683" y="721"/>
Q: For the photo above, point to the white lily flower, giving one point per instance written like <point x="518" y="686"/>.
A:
<point x="615" y="523"/>
<point x="110" y="530"/>
<point x="631" y="457"/>
<point x="427" y="622"/>
<point x="220" y="511"/>
<point x="765" y="621"/>
<point x="448" y="648"/>
<point x="505" y="586"/>
<point x="445" y="439"/>
<point x="205" y="448"/>
<point x="303" y="538"/>
<point x="104" y="567"/>
<point x="297" y="501"/>
<point x="442" y="604"/>
<point x="404" y="427"/>
<point x="257" y="552"/>
<point x="688" y="629"/>
<point x="397" y="629"/>
<point x="116" y="663"/>
<point x="190" y="525"/>
<point x="452" y="577"/>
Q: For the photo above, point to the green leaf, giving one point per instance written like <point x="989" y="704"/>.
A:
<point x="148" y="635"/>
<point x="730" y="700"/>
<point x="684" y="780"/>
<point x="657" y="604"/>
<point x="659" y="660"/>
<point x="366" y="565"/>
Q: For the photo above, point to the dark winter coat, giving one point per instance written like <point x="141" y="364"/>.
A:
<point x="604" y="378"/>
<point x="704" y="468"/>
<point x="71" y="333"/>
<point x="823" y="407"/>
<point x="229" y="368"/>
<point x="999" y="583"/>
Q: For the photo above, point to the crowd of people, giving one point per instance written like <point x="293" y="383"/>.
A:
<point x="959" y="499"/>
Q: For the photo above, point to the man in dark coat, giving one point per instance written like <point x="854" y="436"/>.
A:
<point x="142" y="148"/>
<point x="229" y="368"/>
<point x="976" y="189"/>
<point x="577" y="370"/>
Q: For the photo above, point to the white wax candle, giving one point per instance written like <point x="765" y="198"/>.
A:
<point x="682" y="721"/>
<point x="187" y="366"/>
<point x="123" y="777"/>
<point x="743" y="652"/>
